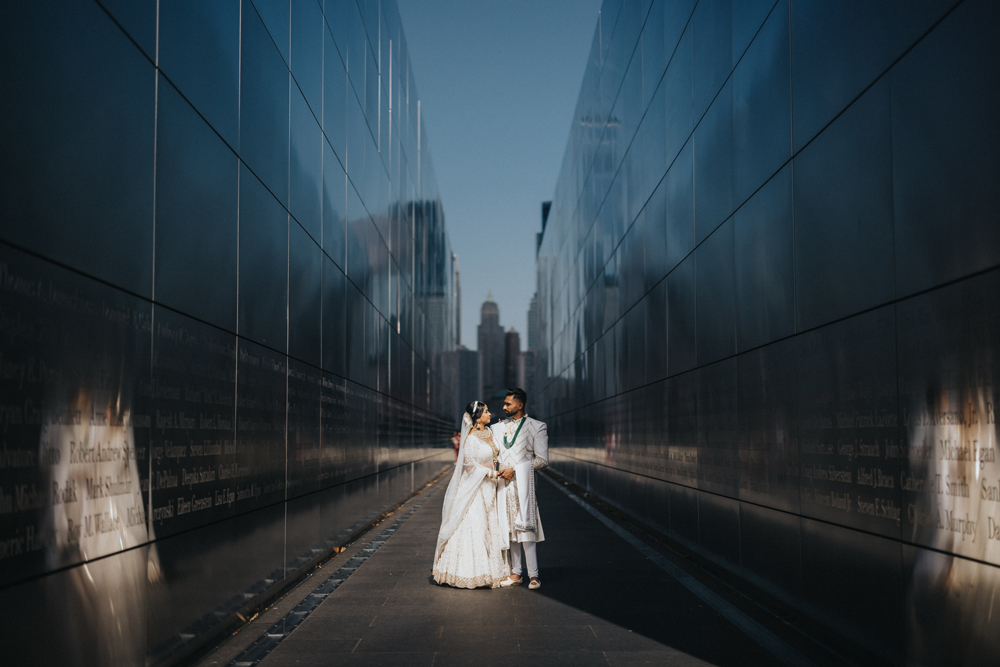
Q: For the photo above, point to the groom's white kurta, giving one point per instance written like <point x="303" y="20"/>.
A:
<point x="530" y="452"/>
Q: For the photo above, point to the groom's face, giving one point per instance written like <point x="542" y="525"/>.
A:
<point x="511" y="406"/>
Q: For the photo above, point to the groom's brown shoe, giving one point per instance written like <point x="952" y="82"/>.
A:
<point x="534" y="584"/>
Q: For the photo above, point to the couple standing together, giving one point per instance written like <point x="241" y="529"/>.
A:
<point x="490" y="510"/>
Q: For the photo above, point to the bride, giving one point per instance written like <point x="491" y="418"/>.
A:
<point x="470" y="545"/>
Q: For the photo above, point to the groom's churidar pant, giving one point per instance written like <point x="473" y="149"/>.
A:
<point x="529" y="555"/>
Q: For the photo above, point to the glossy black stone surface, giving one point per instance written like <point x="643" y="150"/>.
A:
<point x="221" y="321"/>
<point x="817" y="407"/>
<point x="95" y="215"/>
<point x="845" y="174"/>
<point x="715" y="296"/>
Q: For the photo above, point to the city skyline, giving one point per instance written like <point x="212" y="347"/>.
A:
<point x="497" y="124"/>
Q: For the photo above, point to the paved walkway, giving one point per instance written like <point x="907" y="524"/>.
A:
<point x="602" y="602"/>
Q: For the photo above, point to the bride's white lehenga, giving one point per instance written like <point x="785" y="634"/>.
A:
<point x="471" y="546"/>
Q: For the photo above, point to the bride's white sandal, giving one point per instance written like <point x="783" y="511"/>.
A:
<point x="510" y="582"/>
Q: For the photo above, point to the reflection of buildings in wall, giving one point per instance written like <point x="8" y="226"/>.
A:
<point x="526" y="373"/>
<point x="534" y="324"/>
<point x="458" y="300"/>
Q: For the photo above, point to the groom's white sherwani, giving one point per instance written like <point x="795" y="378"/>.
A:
<point x="528" y="453"/>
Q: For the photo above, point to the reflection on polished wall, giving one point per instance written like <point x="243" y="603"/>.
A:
<point x="769" y="284"/>
<point x="225" y="283"/>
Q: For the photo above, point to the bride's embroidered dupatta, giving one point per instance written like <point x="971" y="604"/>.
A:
<point x="462" y="489"/>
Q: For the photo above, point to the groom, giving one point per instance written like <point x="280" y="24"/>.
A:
<point x="523" y="450"/>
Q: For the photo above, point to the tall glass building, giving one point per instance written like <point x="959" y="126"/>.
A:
<point x="225" y="279"/>
<point x="768" y="286"/>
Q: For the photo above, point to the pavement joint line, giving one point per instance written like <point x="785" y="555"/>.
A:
<point x="781" y="650"/>
<point x="284" y="626"/>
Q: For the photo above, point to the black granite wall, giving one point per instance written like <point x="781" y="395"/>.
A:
<point x="770" y="280"/>
<point x="224" y="280"/>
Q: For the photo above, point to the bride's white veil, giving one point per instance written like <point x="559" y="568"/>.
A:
<point x="454" y="505"/>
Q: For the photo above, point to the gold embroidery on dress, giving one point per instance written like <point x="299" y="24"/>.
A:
<point x="473" y="557"/>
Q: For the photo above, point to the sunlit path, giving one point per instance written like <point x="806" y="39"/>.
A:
<point x="602" y="603"/>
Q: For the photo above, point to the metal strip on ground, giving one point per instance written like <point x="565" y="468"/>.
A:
<point x="268" y="641"/>
<point x="752" y="628"/>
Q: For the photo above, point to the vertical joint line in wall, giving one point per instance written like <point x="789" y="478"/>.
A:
<point x="895" y="336"/>
<point x="239" y="70"/>
<point x="288" y="271"/>
<point x="288" y="150"/>
<point x="239" y="84"/>
<point x="239" y="125"/>
<point x="322" y="284"/>
<point x="322" y="153"/>
<point x="892" y="215"/>
<point x="791" y="89"/>
<point x="600" y="43"/>
<point x="419" y="161"/>
<point x="694" y="260"/>
<point x="895" y="284"/>
<point x="795" y="259"/>
<point x="239" y="94"/>
<point x="238" y="223"/>
<point x="391" y="175"/>
<point x="152" y="306"/>
<point x="379" y="91"/>
<point x="156" y="55"/>
<point x="791" y="163"/>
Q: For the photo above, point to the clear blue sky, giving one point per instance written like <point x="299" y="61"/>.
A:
<point x="498" y="82"/>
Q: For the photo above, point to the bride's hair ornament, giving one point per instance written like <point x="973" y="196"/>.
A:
<point x="474" y="411"/>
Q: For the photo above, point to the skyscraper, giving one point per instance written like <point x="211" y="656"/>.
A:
<point x="491" y="349"/>
<point x="469" y="380"/>
<point x="513" y="368"/>
<point x="458" y="301"/>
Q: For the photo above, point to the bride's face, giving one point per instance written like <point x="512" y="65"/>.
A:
<point x="486" y="417"/>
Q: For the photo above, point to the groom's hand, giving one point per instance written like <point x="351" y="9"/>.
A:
<point x="507" y="474"/>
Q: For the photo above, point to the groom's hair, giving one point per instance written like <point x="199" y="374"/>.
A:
<point x="518" y="395"/>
